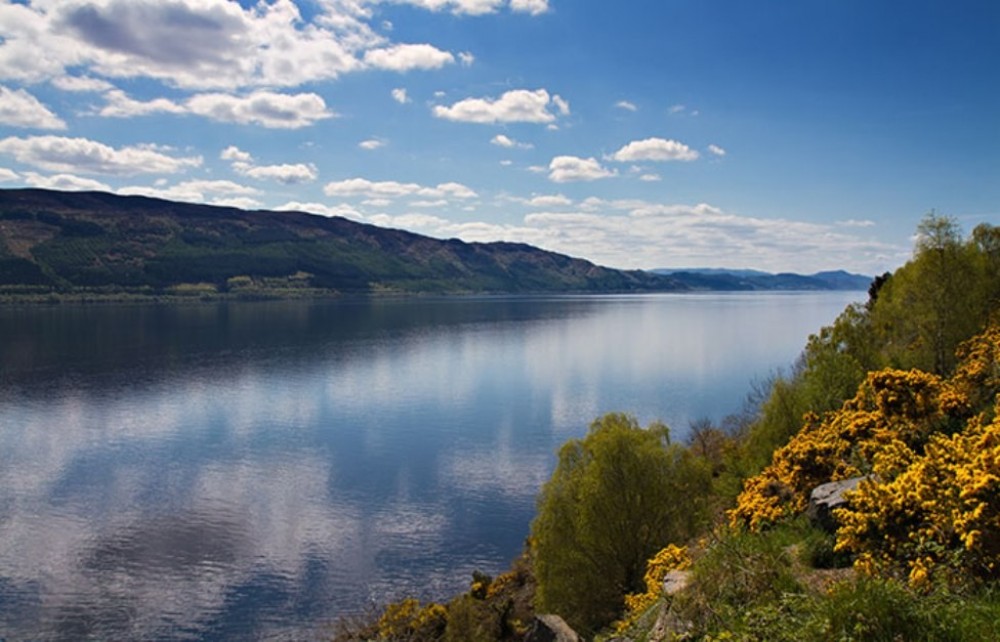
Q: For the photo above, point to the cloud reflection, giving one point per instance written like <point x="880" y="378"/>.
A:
<point x="319" y="457"/>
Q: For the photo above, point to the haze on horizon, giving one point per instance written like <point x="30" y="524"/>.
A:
<point x="639" y="134"/>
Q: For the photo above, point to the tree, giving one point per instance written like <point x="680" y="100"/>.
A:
<point x="615" y="498"/>
<point x="934" y="302"/>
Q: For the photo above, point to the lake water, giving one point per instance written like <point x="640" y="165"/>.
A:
<point x="252" y="470"/>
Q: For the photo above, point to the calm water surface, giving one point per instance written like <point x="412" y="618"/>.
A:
<point x="250" y="471"/>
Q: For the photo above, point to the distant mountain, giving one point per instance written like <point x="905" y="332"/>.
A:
<point x="724" y="279"/>
<point x="93" y="242"/>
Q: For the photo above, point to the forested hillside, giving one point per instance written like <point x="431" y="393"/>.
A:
<point x="106" y="244"/>
<point x="641" y="538"/>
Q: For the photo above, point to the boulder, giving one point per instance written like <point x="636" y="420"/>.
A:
<point x="550" y="628"/>
<point x="826" y="497"/>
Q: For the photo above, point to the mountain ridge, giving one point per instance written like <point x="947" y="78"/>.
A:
<point x="97" y="242"/>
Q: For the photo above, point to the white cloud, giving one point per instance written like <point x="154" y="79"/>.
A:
<point x="408" y="57"/>
<point x="320" y="208"/>
<point x="856" y="223"/>
<point x="715" y="150"/>
<point x="18" y="108"/>
<point x="651" y="178"/>
<point x="198" y="191"/>
<point x="8" y="175"/>
<point x="119" y="105"/>
<point x="500" y="140"/>
<point x="70" y="155"/>
<point x="394" y="189"/>
<point x="265" y="108"/>
<point x="194" y="44"/>
<point x="640" y="234"/>
<point x="534" y="7"/>
<point x="81" y="84"/>
<point x="371" y="144"/>
<point x="676" y="109"/>
<point x="515" y="106"/>
<point x="399" y="95"/>
<point x="436" y="203"/>
<point x="479" y="7"/>
<point x="234" y="153"/>
<point x="561" y="104"/>
<point x="65" y="182"/>
<point x="466" y="58"/>
<point x="654" y="149"/>
<point x="289" y="174"/>
<point x="564" y="169"/>
<point x="554" y="200"/>
<point x="626" y="105"/>
<point x="239" y="202"/>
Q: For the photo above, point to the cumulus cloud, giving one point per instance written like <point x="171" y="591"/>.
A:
<point x="563" y="169"/>
<point x="265" y="108"/>
<point x="198" y="191"/>
<point x="394" y="189"/>
<point x="650" y="178"/>
<point x="534" y="7"/>
<point x="715" y="150"/>
<point x="65" y="182"/>
<point x="371" y="144"/>
<point x="408" y="57"/>
<point x="553" y="200"/>
<point x="640" y="234"/>
<point x="399" y="95"/>
<point x="18" y="108"/>
<point x="194" y="44"/>
<point x="515" y="106"/>
<point x="8" y="175"/>
<point x="320" y="208"/>
<point x="626" y="105"/>
<point x="234" y="153"/>
<point x="501" y="140"/>
<point x="212" y="44"/>
<point x="654" y="149"/>
<point x="81" y="84"/>
<point x="119" y="105"/>
<point x="479" y="7"/>
<point x="289" y="173"/>
<point x="71" y="155"/>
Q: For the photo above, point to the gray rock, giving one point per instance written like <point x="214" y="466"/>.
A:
<point x="675" y="581"/>
<point x="550" y="628"/>
<point x="826" y="497"/>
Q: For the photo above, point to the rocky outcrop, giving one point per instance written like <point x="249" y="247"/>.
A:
<point x="551" y="628"/>
<point x="825" y="498"/>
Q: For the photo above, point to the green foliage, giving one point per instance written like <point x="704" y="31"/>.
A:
<point x="616" y="498"/>
<point x="738" y="572"/>
<point x="938" y="299"/>
<point x="876" y="610"/>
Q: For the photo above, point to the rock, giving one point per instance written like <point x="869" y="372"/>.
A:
<point x="675" y="581"/>
<point x="826" y="497"/>
<point x="551" y="628"/>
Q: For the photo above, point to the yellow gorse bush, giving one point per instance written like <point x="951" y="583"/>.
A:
<point x="671" y="558"/>
<point x="929" y="510"/>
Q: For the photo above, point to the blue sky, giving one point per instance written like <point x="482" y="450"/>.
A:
<point x="779" y="135"/>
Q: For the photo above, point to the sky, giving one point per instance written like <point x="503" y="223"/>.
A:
<point x="781" y="135"/>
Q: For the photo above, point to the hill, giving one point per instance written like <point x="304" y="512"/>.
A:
<point x="103" y="243"/>
<point x="724" y="279"/>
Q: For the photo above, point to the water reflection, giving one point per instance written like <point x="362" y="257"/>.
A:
<point x="249" y="471"/>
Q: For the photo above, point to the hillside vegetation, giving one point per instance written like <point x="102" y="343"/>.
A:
<point x="900" y="394"/>
<point x="58" y="245"/>
<point x="105" y="244"/>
